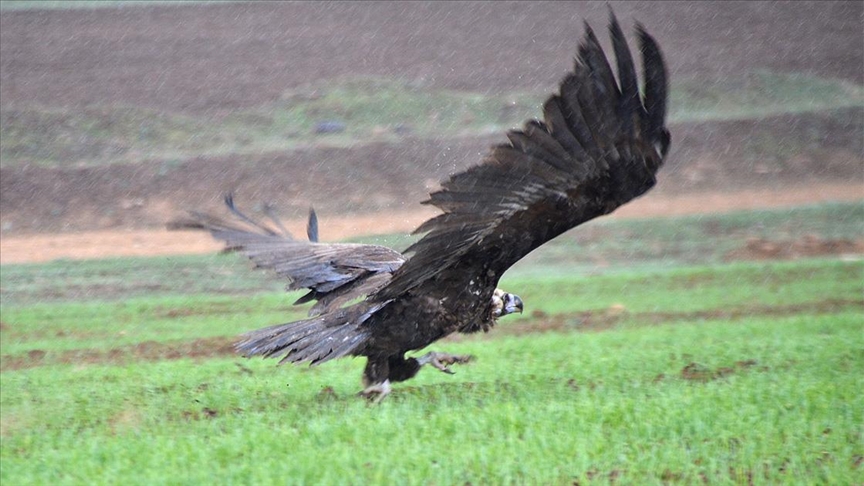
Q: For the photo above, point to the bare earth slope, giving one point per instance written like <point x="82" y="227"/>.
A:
<point x="213" y="59"/>
<point x="204" y="57"/>
<point x="149" y="242"/>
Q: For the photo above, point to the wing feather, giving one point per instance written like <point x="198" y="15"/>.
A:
<point x="334" y="273"/>
<point x="656" y="87"/>
<point x="583" y="160"/>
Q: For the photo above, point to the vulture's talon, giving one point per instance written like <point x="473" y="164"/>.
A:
<point x="440" y="361"/>
<point x="375" y="393"/>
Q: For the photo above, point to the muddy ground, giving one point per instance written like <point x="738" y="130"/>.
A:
<point x="212" y="59"/>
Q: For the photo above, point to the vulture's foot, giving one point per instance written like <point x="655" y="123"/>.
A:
<point x="441" y="360"/>
<point x="376" y="392"/>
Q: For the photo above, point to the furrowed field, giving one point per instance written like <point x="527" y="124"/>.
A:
<point x="722" y="349"/>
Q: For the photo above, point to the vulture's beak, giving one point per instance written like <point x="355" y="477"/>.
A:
<point x="512" y="304"/>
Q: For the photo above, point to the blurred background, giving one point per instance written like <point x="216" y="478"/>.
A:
<point x="119" y="116"/>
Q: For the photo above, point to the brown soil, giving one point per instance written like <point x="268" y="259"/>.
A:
<point x="605" y="319"/>
<point x="213" y="59"/>
<point x="758" y="248"/>
<point x="112" y="243"/>
<point x="146" y="351"/>
<point x="217" y="57"/>
<point x="588" y="321"/>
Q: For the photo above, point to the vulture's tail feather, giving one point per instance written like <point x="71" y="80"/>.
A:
<point x="314" y="340"/>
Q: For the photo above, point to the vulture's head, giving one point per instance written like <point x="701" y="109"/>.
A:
<point x="504" y="303"/>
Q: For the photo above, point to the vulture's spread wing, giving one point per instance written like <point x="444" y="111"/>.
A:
<point x="599" y="145"/>
<point x="333" y="273"/>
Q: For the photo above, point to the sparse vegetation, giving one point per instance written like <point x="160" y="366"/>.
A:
<point x="759" y="94"/>
<point x="371" y="110"/>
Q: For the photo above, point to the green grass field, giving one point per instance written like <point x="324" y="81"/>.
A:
<point x="666" y="370"/>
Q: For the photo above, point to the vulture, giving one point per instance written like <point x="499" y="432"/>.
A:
<point x="599" y="144"/>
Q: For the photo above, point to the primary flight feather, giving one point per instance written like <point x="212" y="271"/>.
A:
<point x="599" y="145"/>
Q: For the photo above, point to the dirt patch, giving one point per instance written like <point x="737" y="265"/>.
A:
<point x="588" y="321"/>
<point x="605" y="319"/>
<point x="204" y="413"/>
<point x="757" y="248"/>
<point x="146" y="351"/>
<point x="124" y="242"/>
<point x="700" y="373"/>
<point x="703" y="374"/>
<point x="115" y="243"/>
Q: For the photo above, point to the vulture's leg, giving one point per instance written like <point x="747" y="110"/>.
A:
<point x="377" y="391"/>
<point x="375" y="379"/>
<point x="381" y="371"/>
<point x="441" y="360"/>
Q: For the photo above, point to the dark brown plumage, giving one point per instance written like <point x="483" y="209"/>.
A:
<point x="598" y="146"/>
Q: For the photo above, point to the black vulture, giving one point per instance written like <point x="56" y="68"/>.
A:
<point x="598" y="146"/>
